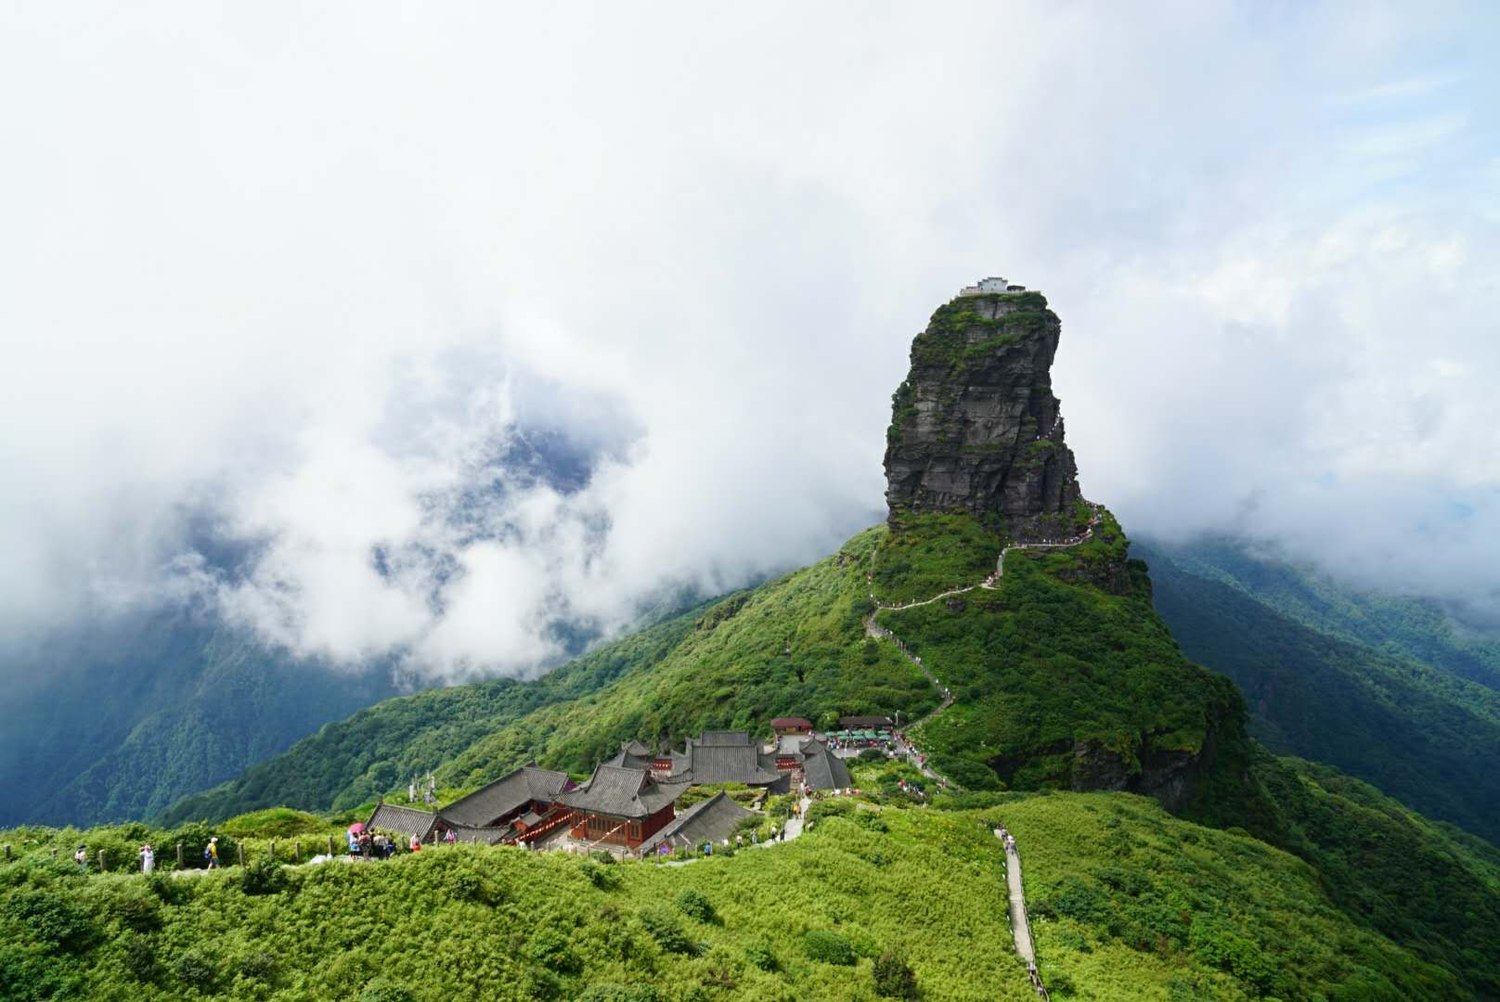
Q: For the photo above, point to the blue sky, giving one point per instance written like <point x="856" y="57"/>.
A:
<point x="297" y="274"/>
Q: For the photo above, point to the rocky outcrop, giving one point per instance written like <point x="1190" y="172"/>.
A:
<point x="975" y="426"/>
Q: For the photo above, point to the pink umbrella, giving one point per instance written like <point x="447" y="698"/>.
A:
<point x="356" y="828"/>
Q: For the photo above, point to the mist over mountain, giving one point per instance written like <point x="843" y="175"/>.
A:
<point x="302" y="290"/>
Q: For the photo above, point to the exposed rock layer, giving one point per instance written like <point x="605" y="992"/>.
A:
<point x="975" y="426"/>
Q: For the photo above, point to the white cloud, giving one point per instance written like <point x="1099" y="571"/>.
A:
<point x="312" y="271"/>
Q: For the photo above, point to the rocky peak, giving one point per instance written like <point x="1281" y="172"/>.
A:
<point x="975" y="427"/>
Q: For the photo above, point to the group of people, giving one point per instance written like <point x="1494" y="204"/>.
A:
<point x="376" y="845"/>
<point x="368" y="845"/>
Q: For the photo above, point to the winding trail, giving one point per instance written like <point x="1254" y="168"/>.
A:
<point x="874" y="629"/>
<point x="1020" y="921"/>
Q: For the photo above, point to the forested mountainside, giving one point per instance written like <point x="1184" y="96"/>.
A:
<point x="120" y="718"/>
<point x="1384" y="688"/>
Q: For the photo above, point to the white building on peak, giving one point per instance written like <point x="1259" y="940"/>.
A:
<point x="990" y="286"/>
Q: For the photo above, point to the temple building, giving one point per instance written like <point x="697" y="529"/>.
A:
<point x="713" y="820"/>
<point x="403" y="822"/>
<point x="621" y="805"/>
<point x="821" y="769"/>
<point x="782" y="726"/>
<point x="518" y="806"/>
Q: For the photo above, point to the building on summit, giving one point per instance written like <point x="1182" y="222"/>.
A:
<point x="991" y="286"/>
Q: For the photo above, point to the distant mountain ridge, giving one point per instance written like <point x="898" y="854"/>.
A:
<point x="1384" y="687"/>
<point x="129" y="715"/>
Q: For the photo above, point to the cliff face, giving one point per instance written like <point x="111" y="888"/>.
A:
<point x="975" y="426"/>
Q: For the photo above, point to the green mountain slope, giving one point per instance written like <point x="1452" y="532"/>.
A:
<point x="1420" y="731"/>
<point x="1128" y="903"/>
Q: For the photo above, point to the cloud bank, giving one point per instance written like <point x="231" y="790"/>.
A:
<point x="452" y="328"/>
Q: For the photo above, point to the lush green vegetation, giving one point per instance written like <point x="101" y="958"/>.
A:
<point x="1064" y="675"/>
<point x="1127" y="902"/>
<point x="500" y="923"/>
<point x="957" y="333"/>
<point x="1431" y="888"/>
<point x="930" y="553"/>
<point x="1422" y="731"/>
<point x="1130" y="903"/>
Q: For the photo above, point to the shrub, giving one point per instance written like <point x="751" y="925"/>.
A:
<point x="872" y="755"/>
<point x="828" y="947"/>
<point x="260" y="965"/>
<point x="264" y="876"/>
<point x="600" y="877"/>
<point x="53" y="920"/>
<point x="668" y="932"/>
<point x="759" y="955"/>
<point x="130" y="905"/>
<point x="195" y="968"/>
<point x="696" y="906"/>
<point x="894" y="978"/>
<point x="554" y="951"/>
<point x="383" y="990"/>
<point x="139" y="957"/>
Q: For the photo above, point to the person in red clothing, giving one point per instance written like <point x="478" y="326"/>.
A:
<point x="416" y="844"/>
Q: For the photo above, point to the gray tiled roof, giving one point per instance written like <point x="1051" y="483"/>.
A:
<point x="864" y="723"/>
<point x="823" y="769"/>
<point x="713" y="819"/>
<point x="729" y="764"/>
<point x="723" y="738"/>
<point x="632" y="755"/>
<point x="486" y="835"/>
<point x="406" y="821"/>
<point x="626" y="793"/>
<point x="505" y="796"/>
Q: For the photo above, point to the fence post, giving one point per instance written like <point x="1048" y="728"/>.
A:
<point x="273" y="850"/>
<point x="240" y="852"/>
<point x="330" y="845"/>
<point x="54" y="854"/>
<point x="297" y="851"/>
<point x="7" y="852"/>
<point x="179" y="855"/>
<point x="101" y="861"/>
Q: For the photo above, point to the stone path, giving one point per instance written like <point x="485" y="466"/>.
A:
<point x="1020" y="921"/>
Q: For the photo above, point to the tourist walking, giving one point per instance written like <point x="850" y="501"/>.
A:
<point x="81" y="857"/>
<point x="148" y="858"/>
<point x="211" y="853"/>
